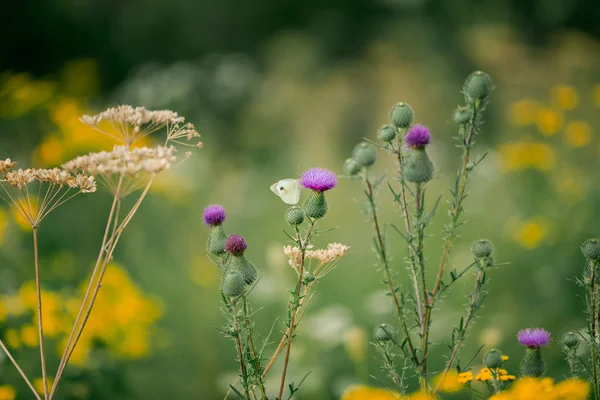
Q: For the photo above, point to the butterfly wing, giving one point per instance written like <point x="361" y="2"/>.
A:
<point x="288" y="190"/>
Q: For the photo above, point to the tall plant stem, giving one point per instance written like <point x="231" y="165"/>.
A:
<point x="23" y="375"/>
<point x="420" y="227"/>
<point x="594" y="329"/>
<point x="39" y="309"/>
<point x="388" y="276"/>
<point x="256" y="361"/>
<point x="238" y="343"/>
<point x="303" y="246"/>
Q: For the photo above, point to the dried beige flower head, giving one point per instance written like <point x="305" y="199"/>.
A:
<point x="326" y="258"/>
<point x="7" y="165"/>
<point x="128" y="124"/>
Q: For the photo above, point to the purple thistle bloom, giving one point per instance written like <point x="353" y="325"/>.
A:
<point x="318" y="179"/>
<point x="235" y="245"/>
<point x="214" y="214"/>
<point x="537" y="337"/>
<point x="418" y="136"/>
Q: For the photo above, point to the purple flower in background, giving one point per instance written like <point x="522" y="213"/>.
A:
<point x="235" y="245"/>
<point x="214" y="214"/>
<point x="318" y="179"/>
<point x="537" y="337"/>
<point x="418" y="136"/>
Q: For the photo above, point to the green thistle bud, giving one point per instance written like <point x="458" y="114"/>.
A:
<point x="532" y="363"/>
<point x="216" y="240"/>
<point x="418" y="168"/>
<point x="570" y="340"/>
<point x="478" y="85"/>
<point x="351" y="167"/>
<point x="462" y="115"/>
<point x="364" y="154"/>
<point x="315" y="205"/>
<point x="294" y="216"/>
<point x="239" y="264"/>
<point x="591" y="249"/>
<point x="401" y="116"/>
<point x="232" y="284"/>
<point x="387" y="133"/>
<point x="482" y="248"/>
<point x="493" y="359"/>
<point x="384" y="333"/>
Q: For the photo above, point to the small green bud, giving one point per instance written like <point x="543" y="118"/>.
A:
<point x="387" y="133"/>
<point x="384" y="333"/>
<point x="532" y="363"/>
<point x="308" y="277"/>
<point x="294" y="216"/>
<point x="478" y="85"/>
<point x="315" y="205"/>
<point x="232" y="284"/>
<point x="482" y="248"/>
<point x="351" y="167"/>
<point x="462" y="115"/>
<point x="418" y="168"/>
<point x="401" y="116"/>
<point x="364" y="154"/>
<point x="493" y="359"/>
<point x="216" y="240"/>
<point x="591" y="249"/>
<point x="240" y="264"/>
<point x="571" y="340"/>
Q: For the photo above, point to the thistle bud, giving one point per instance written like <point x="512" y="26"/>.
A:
<point x="462" y="115"/>
<point x="482" y="248"/>
<point x="294" y="216"/>
<point x="351" y="167"/>
<point x="237" y="262"/>
<point x="478" y="85"/>
<point x="387" y="133"/>
<point x="232" y="284"/>
<point x="216" y="240"/>
<point x="417" y="166"/>
<point x="364" y="154"/>
<point x="401" y="116"/>
<point x="591" y="249"/>
<point x="532" y="363"/>
<point x="315" y="205"/>
<point x="493" y="359"/>
<point x="384" y="333"/>
<point x="570" y="340"/>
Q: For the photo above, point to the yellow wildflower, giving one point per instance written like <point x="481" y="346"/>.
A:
<point x="465" y="377"/>
<point x="420" y="396"/>
<point x="355" y="341"/>
<point x="449" y="384"/>
<point x="369" y="393"/>
<point x="523" y="112"/>
<point x="572" y="389"/>
<point x="12" y="338"/>
<point x="504" y="358"/>
<point x="7" y="392"/>
<point x="530" y="233"/>
<point x="565" y="97"/>
<point x="578" y="134"/>
<point x="38" y="384"/>
<point x="502" y="371"/>
<point x="549" y="121"/>
<point x="507" y="377"/>
<point x="29" y="335"/>
<point x="484" y="375"/>
<point x="526" y="154"/>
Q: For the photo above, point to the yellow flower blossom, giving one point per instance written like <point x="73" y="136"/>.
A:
<point x="578" y="134"/>
<point x="449" y="384"/>
<point x="355" y="341"/>
<point x="12" y="338"/>
<point x="549" y="121"/>
<point x="7" y="392"/>
<point x="484" y="375"/>
<point x="465" y="377"/>
<point x="38" y="384"/>
<point x="523" y="112"/>
<point x="369" y="393"/>
<point x="507" y="377"/>
<point x="572" y="389"/>
<point x="504" y="358"/>
<point x="534" y="388"/>
<point x="529" y="233"/>
<point x="526" y="154"/>
<point x="29" y="335"/>
<point x="565" y="97"/>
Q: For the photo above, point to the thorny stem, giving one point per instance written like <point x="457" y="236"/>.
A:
<point x="419" y="208"/>
<point x="303" y="246"/>
<point x="12" y="359"/>
<point x="593" y="330"/>
<point x="240" y="352"/>
<point x="386" y="267"/>
<point x="261" y="385"/>
<point x="392" y="371"/>
<point x="479" y="281"/>
<point x="39" y="309"/>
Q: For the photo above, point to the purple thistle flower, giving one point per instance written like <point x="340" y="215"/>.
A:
<point x="418" y="136"/>
<point x="537" y="337"/>
<point x="214" y="214"/>
<point x="318" y="179"/>
<point x="235" y="245"/>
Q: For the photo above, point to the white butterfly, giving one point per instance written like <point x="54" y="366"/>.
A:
<point x="288" y="190"/>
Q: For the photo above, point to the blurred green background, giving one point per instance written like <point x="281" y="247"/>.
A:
<point x="275" y="88"/>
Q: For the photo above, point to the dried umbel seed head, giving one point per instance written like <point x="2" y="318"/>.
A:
<point x="493" y="359"/>
<point x="384" y="333"/>
<point x="294" y="216"/>
<point x="364" y="154"/>
<point x="401" y="116"/>
<point x="351" y="167"/>
<point x="482" y="248"/>
<point x="7" y="165"/>
<point x="591" y="249"/>
<point x="232" y="284"/>
<point x="214" y="214"/>
<point x="235" y="245"/>
<point x="462" y="115"/>
<point x="387" y="133"/>
<point x="571" y="340"/>
<point x="478" y="85"/>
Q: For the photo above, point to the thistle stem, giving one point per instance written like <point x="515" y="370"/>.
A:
<point x="238" y="346"/>
<point x="593" y="330"/>
<point x="39" y="310"/>
<point x="256" y="361"/>
<point x="420" y="227"/>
